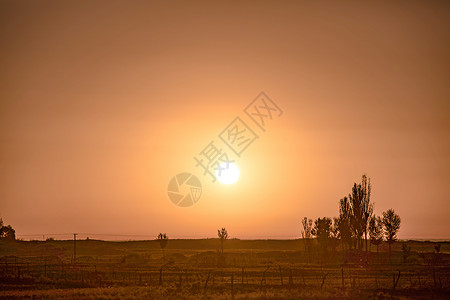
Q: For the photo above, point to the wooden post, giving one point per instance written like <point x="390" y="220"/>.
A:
<point x="323" y="280"/>
<point x="242" y="280"/>
<point x="395" y="281"/>
<point x="376" y="279"/>
<point x="160" y="276"/>
<point x="434" y="277"/>
<point x="74" y="247"/>
<point x="342" y="276"/>
<point x="207" y="279"/>
<point x="263" y="279"/>
<point x="281" y="275"/>
<point x="232" y="285"/>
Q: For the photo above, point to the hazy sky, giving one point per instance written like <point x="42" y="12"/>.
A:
<point x="102" y="102"/>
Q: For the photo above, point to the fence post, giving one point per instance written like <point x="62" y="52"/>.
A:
<point x="434" y="277"/>
<point x="323" y="280"/>
<point x="232" y="287"/>
<point x="207" y="279"/>
<point x="281" y="275"/>
<point x="395" y="281"/>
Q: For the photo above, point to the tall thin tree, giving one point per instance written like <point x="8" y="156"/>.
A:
<point x="361" y="209"/>
<point x="306" y="234"/>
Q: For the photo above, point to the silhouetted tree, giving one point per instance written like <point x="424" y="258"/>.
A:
<point x="367" y="207"/>
<point x="355" y="212"/>
<point x="376" y="231"/>
<point x="7" y="232"/>
<point x="306" y="233"/>
<point x="361" y="209"/>
<point x="343" y="222"/>
<point x="322" y="230"/>
<point x="307" y="226"/>
<point x="223" y="235"/>
<point x="391" y="223"/>
<point x="334" y="234"/>
<point x="163" y="239"/>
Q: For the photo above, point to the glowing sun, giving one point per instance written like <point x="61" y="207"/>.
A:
<point x="227" y="173"/>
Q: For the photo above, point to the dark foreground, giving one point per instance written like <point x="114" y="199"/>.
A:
<point x="195" y="269"/>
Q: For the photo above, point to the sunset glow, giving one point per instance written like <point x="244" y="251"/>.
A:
<point x="97" y="116"/>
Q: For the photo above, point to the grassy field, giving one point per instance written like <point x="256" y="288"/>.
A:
<point x="195" y="269"/>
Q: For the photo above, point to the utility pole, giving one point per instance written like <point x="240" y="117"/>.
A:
<point x="74" y="247"/>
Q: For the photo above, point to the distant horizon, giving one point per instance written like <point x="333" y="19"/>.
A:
<point x="132" y="237"/>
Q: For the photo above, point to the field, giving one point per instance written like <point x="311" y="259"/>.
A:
<point x="196" y="269"/>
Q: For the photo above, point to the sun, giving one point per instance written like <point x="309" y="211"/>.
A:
<point x="227" y="173"/>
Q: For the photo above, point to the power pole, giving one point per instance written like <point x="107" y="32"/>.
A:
<point x="74" y="247"/>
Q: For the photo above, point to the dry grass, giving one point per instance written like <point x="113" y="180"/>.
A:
<point x="131" y="270"/>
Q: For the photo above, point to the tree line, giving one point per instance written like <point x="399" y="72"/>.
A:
<point x="354" y="227"/>
<point x="356" y="223"/>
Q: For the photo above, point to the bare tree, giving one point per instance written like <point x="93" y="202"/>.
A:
<point x="376" y="231"/>
<point x="358" y="210"/>
<point x="223" y="235"/>
<point x="391" y="223"/>
<point x="163" y="239"/>
<point x="367" y="207"/>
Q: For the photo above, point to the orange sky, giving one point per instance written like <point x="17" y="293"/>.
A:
<point x="102" y="102"/>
